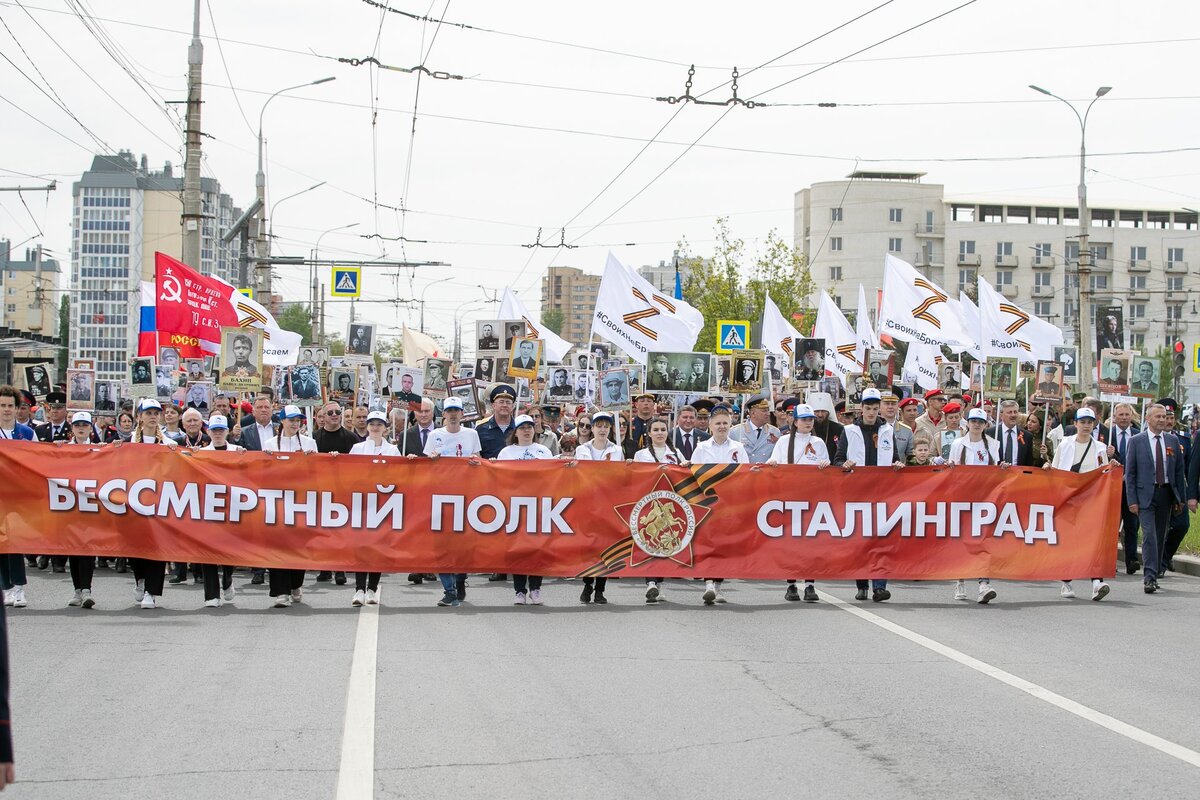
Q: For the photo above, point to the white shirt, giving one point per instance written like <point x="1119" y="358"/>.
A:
<point x="290" y="444"/>
<point x="644" y="456"/>
<point x="809" y="449"/>
<point x="265" y="432"/>
<point x="587" y="452"/>
<point x="463" y="444"/>
<point x="1069" y="451"/>
<point x="524" y="452"/>
<point x="976" y="452"/>
<point x="229" y="446"/>
<point x="731" y="452"/>
<point x="369" y="448"/>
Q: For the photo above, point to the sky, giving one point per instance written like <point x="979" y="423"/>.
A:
<point x="549" y="121"/>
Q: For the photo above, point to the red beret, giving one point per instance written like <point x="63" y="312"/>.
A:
<point x="932" y="393"/>
<point x="952" y="407"/>
<point x="908" y="401"/>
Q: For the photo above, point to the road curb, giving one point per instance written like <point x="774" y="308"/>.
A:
<point x="1187" y="565"/>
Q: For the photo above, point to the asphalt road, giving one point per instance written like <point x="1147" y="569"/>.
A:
<point x="757" y="698"/>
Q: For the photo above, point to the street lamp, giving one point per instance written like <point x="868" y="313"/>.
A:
<point x="1084" y="318"/>
<point x="260" y="187"/>
<point x="313" y="275"/>
<point x="423" y="291"/>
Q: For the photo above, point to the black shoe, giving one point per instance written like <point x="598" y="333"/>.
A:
<point x="498" y="576"/>
<point x="1150" y="587"/>
<point x="339" y="578"/>
<point x="600" y="599"/>
<point x="586" y="595"/>
<point x="176" y="580"/>
<point x="122" y="566"/>
<point x="31" y="561"/>
<point x="1168" y="567"/>
<point x="1132" y="567"/>
<point x="460" y="588"/>
<point x="257" y="579"/>
<point x="810" y="593"/>
<point x="429" y="576"/>
<point x="792" y="593"/>
<point x="861" y="594"/>
<point x="58" y="568"/>
<point x="43" y="562"/>
<point x="323" y="577"/>
<point x="101" y="563"/>
<point x="416" y="578"/>
<point x="879" y="595"/>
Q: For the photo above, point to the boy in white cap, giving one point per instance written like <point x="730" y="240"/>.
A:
<point x="801" y="447"/>
<point x="285" y="583"/>
<point x="218" y="579"/>
<point x="980" y="450"/>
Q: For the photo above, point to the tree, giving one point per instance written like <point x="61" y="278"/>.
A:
<point x="553" y="319"/>
<point x="723" y="288"/>
<point x="297" y="318"/>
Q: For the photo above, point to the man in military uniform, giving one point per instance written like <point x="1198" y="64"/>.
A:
<point x="487" y="338"/>
<point x="57" y="429"/>
<point x="698" y="380"/>
<point x="493" y="433"/>
<point x="406" y="394"/>
<point x="660" y="378"/>
<point x="757" y="434"/>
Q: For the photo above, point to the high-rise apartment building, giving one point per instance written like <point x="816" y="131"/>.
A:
<point x="573" y="292"/>
<point x="123" y="213"/>
<point x="30" y="291"/>
<point x="1029" y="250"/>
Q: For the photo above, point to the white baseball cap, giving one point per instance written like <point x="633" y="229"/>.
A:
<point x="218" y="422"/>
<point x="377" y="416"/>
<point x="81" y="416"/>
<point x="451" y="403"/>
<point x="148" y="403"/>
<point x="804" y="411"/>
<point x="291" y="412"/>
<point x="977" y="413"/>
<point x="1085" y="413"/>
<point x="523" y="419"/>
<point x="871" y="396"/>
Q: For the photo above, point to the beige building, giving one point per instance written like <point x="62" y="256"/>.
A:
<point x="1027" y="249"/>
<point x="573" y="292"/>
<point x="31" y="296"/>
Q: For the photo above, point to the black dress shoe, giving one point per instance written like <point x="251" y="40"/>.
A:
<point x="43" y="562"/>
<point x="861" y="594"/>
<point x="322" y="577"/>
<point x="600" y="599"/>
<point x="31" y="561"/>
<point x="586" y="595"/>
<point x="122" y="565"/>
<point x="1150" y="587"/>
<point x="339" y="578"/>
<point x="879" y="595"/>
<point x="257" y="579"/>
<point x="1132" y="567"/>
<point x="498" y="576"/>
<point x="416" y="578"/>
<point x="58" y="568"/>
<point x="176" y="580"/>
<point x="792" y="593"/>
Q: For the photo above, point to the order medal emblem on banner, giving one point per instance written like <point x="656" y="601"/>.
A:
<point x="662" y="524"/>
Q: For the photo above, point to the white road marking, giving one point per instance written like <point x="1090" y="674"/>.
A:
<point x="356" y="773"/>
<point x="1034" y="690"/>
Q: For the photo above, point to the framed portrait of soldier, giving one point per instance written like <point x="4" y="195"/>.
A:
<point x="169" y="357"/>
<point x="600" y="354"/>
<point x="1068" y="357"/>
<point x="772" y="368"/>
<point x="407" y="387"/>
<point x="723" y="372"/>
<point x="580" y="360"/>
<point x="241" y="359"/>
<point x="558" y="384"/>
<point x="524" y="388"/>
<point x="810" y="359"/>
<point x="200" y="396"/>
<point x="360" y="339"/>
<point x="437" y="377"/>
<point x="832" y="386"/>
<point x="141" y="377"/>
<point x="466" y="370"/>
<point x="635" y="373"/>
<point x="524" y="358"/>
<point x="1144" y="377"/>
<point x="880" y="368"/>
<point x="512" y="329"/>
<point x="614" y="389"/>
<point x="686" y="373"/>
<point x="485" y="369"/>
<point x="583" y="383"/>
<point x="949" y="375"/>
<point x="487" y="335"/>
<point x="301" y="385"/>
<point x="37" y="379"/>
<point x="502" y="375"/>
<point x="81" y="390"/>
<point x="1110" y="328"/>
<point x="1049" y="387"/>
<point x="107" y="395"/>
<point x="343" y="383"/>
<point x="466" y="390"/>
<point x="1000" y="378"/>
<point x="1114" y="371"/>
<point x="166" y="381"/>
<point x="747" y="375"/>
<point x="856" y="382"/>
<point x="194" y="369"/>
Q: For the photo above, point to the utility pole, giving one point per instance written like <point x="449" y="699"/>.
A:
<point x="192" y="217"/>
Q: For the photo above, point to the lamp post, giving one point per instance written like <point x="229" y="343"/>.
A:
<point x="1084" y="318"/>
<point x="263" y="245"/>
<point x="315" y="290"/>
<point x="423" y="291"/>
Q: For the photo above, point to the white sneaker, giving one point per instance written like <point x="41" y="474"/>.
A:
<point x="77" y="600"/>
<point x="1099" y="590"/>
<point x="360" y="597"/>
<point x="372" y="597"/>
<point x="535" y="597"/>
<point x="148" y="600"/>
<point x="652" y="592"/>
<point x="227" y="595"/>
<point x="519" y="600"/>
<point x="1067" y="591"/>
<point x="282" y="601"/>
<point x="18" y="597"/>
<point x="720" y="598"/>
<point x="8" y="597"/>
<point x="88" y="602"/>
<point x="986" y="594"/>
<point x="214" y="603"/>
<point x="139" y="590"/>
<point x="960" y="591"/>
<point x="710" y="593"/>
<point x="297" y="595"/>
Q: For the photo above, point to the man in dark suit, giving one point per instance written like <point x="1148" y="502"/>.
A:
<point x="1118" y="435"/>
<point x="1016" y="444"/>
<point x="686" y="435"/>
<point x="1154" y="479"/>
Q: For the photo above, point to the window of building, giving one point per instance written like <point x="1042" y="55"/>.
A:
<point x="1137" y="341"/>
<point x="962" y="213"/>
<point x="1004" y="248"/>
<point x="1071" y="249"/>
<point x="1137" y="282"/>
<point x="1042" y="278"/>
<point x="1046" y="216"/>
<point x="966" y="279"/>
<point x="835" y="214"/>
<point x="1019" y="214"/>
<point x="1041" y="308"/>
<point x="1103" y="217"/>
<point x="895" y="215"/>
<point x="1137" y="310"/>
<point x="1129" y="219"/>
<point x="835" y="273"/>
<point x="929" y="227"/>
<point x="895" y="243"/>
<point x="1137" y="254"/>
<point x="966" y="247"/>
<point x="12" y="308"/>
<point x="835" y="243"/>
<point x="1098" y="282"/>
<point x="1175" y="311"/>
<point x="1004" y="277"/>
<point x="1174" y="255"/>
<point x="1174" y="283"/>
<point x="1041" y="252"/>
<point x="991" y="213"/>
<point x="1099" y="253"/>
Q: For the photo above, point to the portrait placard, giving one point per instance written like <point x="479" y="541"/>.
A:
<point x="37" y="379"/>
<point x="1114" y="370"/>
<point x="360" y="339"/>
<point x="107" y="395"/>
<point x="687" y="373"/>
<point x="950" y="378"/>
<point x="524" y="357"/>
<point x="343" y="383"/>
<point x="141" y="377"/>
<point x="466" y="390"/>
<point x="1049" y="387"/>
<point x="200" y="395"/>
<point x="241" y="359"/>
<point x="81" y="390"/>
<point x="614" y="389"/>
<point x="747" y="377"/>
<point x="810" y="359"/>
<point x="1144" y="377"/>
<point x="513" y="329"/>
<point x="301" y="385"/>
<point x="881" y="368"/>
<point x="1001" y="377"/>
<point x="1069" y="358"/>
<point x="487" y="336"/>
<point x="437" y="377"/>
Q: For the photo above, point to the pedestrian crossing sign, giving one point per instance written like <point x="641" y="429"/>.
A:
<point x="248" y="292"/>
<point x="732" y="334"/>
<point x="347" y="282"/>
<point x="1196" y="358"/>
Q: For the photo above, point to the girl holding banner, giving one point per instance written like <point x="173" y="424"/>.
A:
<point x="658" y="451"/>
<point x="522" y="447"/>
<point x="366" y="584"/>
<point x="148" y="575"/>
<point x="600" y="448"/>
<point x="1082" y="453"/>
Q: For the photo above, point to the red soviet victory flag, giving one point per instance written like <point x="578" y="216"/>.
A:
<point x="189" y="303"/>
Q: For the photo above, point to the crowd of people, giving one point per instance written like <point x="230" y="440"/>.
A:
<point x="1160" y="454"/>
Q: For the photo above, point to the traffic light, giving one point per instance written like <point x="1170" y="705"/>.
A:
<point x="1179" y="360"/>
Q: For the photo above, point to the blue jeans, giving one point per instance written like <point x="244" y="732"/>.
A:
<point x="450" y="581"/>
<point x="875" y="584"/>
<point x="12" y="570"/>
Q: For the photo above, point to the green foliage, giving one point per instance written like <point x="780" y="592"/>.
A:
<point x="553" y="319"/>
<point x="725" y="286"/>
<point x="297" y="318"/>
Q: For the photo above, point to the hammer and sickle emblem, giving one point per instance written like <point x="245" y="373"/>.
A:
<point x="172" y="292"/>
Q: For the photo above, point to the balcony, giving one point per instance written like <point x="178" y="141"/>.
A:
<point x="969" y="260"/>
<point x="1008" y="290"/>
<point x="1105" y="297"/>
<point x="1104" y="265"/>
<point x="1139" y="265"/>
<point x="931" y="231"/>
<point x="1177" y="297"/>
<point x="1176" y="326"/>
<point x="1139" y="325"/>
<point x="1139" y="295"/>
<point x="1177" y="267"/>
<point x="1006" y="261"/>
<point x="1044" y="262"/>
<point x="1042" y="291"/>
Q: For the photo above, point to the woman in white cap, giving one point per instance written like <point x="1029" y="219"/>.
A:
<point x="366" y="584"/>
<point x="285" y="583"/>
<point x="658" y="450"/>
<point x="801" y="446"/>
<point x="148" y="575"/>
<point x="599" y="448"/>
<point x="82" y="567"/>
<point x="976" y="449"/>
<point x="719" y="449"/>
<point x="1081" y="453"/>
<point x="522" y="447"/>
<point x="218" y="579"/>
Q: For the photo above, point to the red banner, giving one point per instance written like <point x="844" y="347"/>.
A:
<point x="557" y="518"/>
<point x="189" y="303"/>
